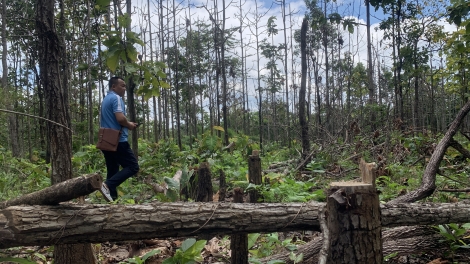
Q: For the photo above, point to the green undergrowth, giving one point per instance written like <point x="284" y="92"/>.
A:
<point x="401" y="164"/>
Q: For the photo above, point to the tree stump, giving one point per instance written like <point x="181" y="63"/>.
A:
<point x="351" y="226"/>
<point x="254" y="174"/>
<point x="222" y="186"/>
<point x="200" y="189"/>
<point x="205" y="191"/>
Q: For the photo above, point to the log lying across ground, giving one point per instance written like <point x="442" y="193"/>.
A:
<point x="66" y="223"/>
<point x="401" y="240"/>
<point x="61" y="192"/>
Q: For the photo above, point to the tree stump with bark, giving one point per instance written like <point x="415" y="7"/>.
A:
<point x="205" y="191"/>
<point x="352" y="226"/>
<point x="254" y="174"/>
<point x="222" y="186"/>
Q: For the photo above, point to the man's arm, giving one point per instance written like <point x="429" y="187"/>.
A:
<point x="122" y="120"/>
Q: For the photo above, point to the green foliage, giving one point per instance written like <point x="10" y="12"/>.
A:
<point x="139" y="260"/>
<point x="390" y="256"/>
<point x="32" y="255"/>
<point x="455" y="235"/>
<point x="189" y="253"/>
<point x="88" y="160"/>
<point x="459" y="11"/>
<point x="261" y="246"/>
<point x="296" y="258"/>
<point x="17" y="260"/>
<point x="289" y="190"/>
<point x="20" y="176"/>
<point x="122" y="52"/>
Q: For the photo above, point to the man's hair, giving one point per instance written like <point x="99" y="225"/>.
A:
<point x="113" y="81"/>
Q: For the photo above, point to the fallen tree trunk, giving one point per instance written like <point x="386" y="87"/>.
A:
<point x="401" y="240"/>
<point x="47" y="225"/>
<point x="428" y="184"/>
<point x="61" y="192"/>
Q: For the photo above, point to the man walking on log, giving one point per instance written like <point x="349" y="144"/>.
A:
<point x="113" y="115"/>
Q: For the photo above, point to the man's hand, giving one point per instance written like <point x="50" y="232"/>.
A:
<point x="132" y="125"/>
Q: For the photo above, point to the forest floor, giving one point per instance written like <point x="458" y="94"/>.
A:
<point x="216" y="251"/>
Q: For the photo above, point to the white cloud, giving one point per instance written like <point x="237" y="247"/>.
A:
<point x="356" y="42"/>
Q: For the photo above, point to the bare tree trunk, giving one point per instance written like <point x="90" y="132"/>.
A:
<point x="370" y="82"/>
<point x="224" y="75"/>
<point x="260" y="90"/>
<point x="57" y="107"/>
<point x="177" y="89"/>
<point x="12" y="119"/>
<point x="286" y="72"/>
<point x="327" y="75"/>
<point x="130" y="95"/>
<point x="90" y="81"/>
<point x="303" y="87"/>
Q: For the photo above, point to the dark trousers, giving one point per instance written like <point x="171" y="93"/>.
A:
<point x="124" y="157"/>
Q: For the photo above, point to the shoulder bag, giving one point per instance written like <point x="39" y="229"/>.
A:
<point x="108" y="138"/>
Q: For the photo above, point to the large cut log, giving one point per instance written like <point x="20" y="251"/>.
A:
<point x="47" y="225"/>
<point x="61" y="192"/>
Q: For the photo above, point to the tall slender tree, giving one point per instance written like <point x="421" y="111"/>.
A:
<point x="60" y="138"/>
<point x="12" y="119"/>
<point x="303" y="88"/>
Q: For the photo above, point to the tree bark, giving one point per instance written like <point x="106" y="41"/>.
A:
<point x="457" y="146"/>
<point x="204" y="191"/>
<point x="428" y="184"/>
<point x="351" y="221"/>
<point x="254" y="174"/>
<point x="65" y="223"/>
<point x="61" y="192"/>
<point x="57" y="108"/>
<point x="222" y="186"/>
<point x="303" y="88"/>
<point x="131" y="86"/>
<point x="47" y="225"/>
<point x="238" y="242"/>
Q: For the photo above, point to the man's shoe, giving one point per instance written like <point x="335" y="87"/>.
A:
<point x="105" y="192"/>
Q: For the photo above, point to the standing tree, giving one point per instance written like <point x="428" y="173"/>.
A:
<point x="15" y="147"/>
<point x="303" y="88"/>
<point x="57" y="108"/>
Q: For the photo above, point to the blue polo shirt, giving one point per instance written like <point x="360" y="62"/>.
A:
<point x="113" y="103"/>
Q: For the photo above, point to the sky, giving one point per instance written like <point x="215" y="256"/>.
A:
<point x="200" y="10"/>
